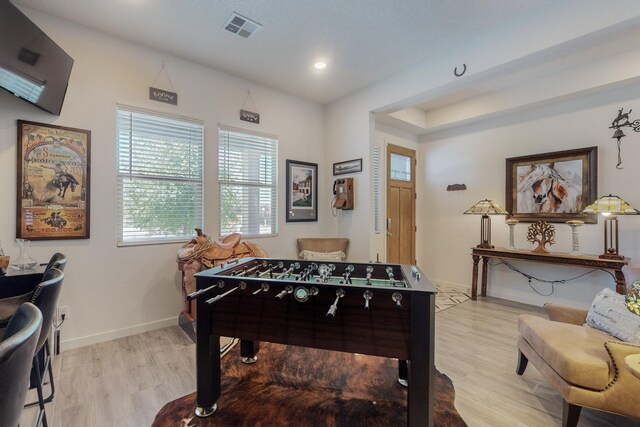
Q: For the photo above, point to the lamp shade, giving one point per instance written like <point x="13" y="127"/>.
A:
<point x="486" y="207"/>
<point x="612" y="205"/>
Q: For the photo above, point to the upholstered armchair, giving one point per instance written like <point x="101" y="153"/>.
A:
<point x="585" y="365"/>
<point x="323" y="248"/>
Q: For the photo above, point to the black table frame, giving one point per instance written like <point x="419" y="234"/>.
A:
<point x="386" y="331"/>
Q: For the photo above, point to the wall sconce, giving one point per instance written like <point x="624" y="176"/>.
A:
<point x="485" y="208"/>
<point x="621" y="121"/>
<point x="611" y="206"/>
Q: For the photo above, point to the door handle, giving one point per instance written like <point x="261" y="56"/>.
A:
<point x="388" y="223"/>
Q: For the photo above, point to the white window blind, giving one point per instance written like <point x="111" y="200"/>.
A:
<point x="376" y="189"/>
<point x="248" y="182"/>
<point x="160" y="177"/>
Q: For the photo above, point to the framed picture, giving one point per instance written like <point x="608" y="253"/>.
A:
<point x="553" y="187"/>
<point x="302" y="191"/>
<point x="349" y="166"/>
<point x="53" y="182"/>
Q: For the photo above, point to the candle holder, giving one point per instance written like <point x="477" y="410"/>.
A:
<point x="511" y="222"/>
<point x="575" y="224"/>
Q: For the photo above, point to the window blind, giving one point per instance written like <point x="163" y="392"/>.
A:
<point x="376" y="189"/>
<point x="248" y="184"/>
<point x="160" y="177"/>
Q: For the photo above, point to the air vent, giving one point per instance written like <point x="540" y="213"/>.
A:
<point x="241" y="25"/>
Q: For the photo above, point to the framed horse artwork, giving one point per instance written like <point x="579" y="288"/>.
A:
<point x="53" y="182"/>
<point x="552" y="187"/>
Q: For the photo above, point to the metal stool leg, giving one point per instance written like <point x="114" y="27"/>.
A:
<point x="48" y="367"/>
<point x="42" y="415"/>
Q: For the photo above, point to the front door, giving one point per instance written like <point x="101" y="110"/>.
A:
<point x="401" y="202"/>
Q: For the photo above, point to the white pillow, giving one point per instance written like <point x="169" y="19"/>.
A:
<point x="609" y="313"/>
<point x="322" y="256"/>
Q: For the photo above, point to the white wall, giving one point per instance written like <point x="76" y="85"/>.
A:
<point x="115" y="291"/>
<point x="544" y="36"/>
<point x="476" y="156"/>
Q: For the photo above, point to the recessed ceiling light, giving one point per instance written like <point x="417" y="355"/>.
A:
<point x="320" y="65"/>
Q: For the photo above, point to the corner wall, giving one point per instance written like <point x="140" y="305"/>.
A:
<point x="543" y="36"/>
<point x="115" y="291"/>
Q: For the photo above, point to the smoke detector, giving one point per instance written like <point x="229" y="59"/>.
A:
<point x="241" y="25"/>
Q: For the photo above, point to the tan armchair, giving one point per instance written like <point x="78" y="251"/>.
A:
<point x="585" y="365"/>
<point x="323" y="245"/>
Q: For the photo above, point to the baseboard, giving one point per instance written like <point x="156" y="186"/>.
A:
<point x="446" y="284"/>
<point x="117" y="333"/>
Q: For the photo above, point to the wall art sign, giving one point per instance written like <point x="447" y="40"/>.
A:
<point x="350" y="166"/>
<point x="249" y="116"/>
<point x="53" y="182"/>
<point x="302" y="191"/>
<point x="162" y="95"/>
<point x="553" y="187"/>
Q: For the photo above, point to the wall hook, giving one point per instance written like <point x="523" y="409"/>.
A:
<point x="464" y="70"/>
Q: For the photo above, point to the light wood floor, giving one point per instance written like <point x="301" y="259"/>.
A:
<point x="125" y="382"/>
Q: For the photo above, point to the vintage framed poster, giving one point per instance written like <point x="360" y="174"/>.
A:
<point x="552" y="187"/>
<point x="53" y="182"/>
<point x="302" y="191"/>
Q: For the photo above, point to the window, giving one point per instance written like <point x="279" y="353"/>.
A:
<point x="160" y="177"/>
<point x="400" y="167"/>
<point x="247" y="175"/>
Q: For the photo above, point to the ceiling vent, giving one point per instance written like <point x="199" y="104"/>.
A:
<point x="241" y="25"/>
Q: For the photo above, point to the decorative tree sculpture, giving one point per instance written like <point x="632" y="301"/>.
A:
<point x="541" y="232"/>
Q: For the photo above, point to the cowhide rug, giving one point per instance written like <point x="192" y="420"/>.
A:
<point x="297" y="386"/>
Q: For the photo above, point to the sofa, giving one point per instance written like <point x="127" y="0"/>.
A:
<point x="587" y="366"/>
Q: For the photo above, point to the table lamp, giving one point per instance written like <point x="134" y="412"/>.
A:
<point x="611" y="206"/>
<point x="485" y="208"/>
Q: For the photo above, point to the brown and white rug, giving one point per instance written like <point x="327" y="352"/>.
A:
<point x="448" y="297"/>
<point x="302" y="387"/>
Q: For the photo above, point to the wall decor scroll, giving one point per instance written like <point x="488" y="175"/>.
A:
<point x="350" y="166"/>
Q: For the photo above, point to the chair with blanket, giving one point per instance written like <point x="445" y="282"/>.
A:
<point x="323" y="248"/>
<point x="586" y="365"/>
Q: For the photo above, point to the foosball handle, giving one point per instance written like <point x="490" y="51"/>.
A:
<point x="287" y="290"/>
<point x="263" y="288"/>
<point x="332" y="309"/>
<point x="397" y="297"/>
<point x="367" y="297"/>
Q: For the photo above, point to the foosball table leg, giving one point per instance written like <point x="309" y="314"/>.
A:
<point x="249" y="351"/>
<point x="403" y="373"/>
<point x="207" y="363"/>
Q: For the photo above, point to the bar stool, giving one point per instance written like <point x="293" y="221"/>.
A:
<point x="16" y="352"/>
<point x="45" y="297"/>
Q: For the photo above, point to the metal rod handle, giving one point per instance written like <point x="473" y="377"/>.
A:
<point x="196" y="294"/>
<point x="217" y="298"/>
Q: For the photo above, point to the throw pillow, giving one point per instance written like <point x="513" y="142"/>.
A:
<point x="633" y="298"/>
<point x="609" y="313"/>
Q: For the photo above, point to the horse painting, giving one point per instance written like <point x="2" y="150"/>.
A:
<point x="62" y="182"/>
<point x="542" y="188"/>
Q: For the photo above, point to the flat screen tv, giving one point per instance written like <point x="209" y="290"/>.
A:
<point x="32" y="66"/>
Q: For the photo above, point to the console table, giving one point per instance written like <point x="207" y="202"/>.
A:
<point x="592" y="261"/>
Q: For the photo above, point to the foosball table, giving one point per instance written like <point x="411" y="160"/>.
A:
<point x="385" y="310"/>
